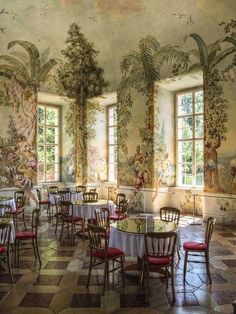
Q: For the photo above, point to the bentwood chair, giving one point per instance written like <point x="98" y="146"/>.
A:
<point x="28" y="239"/>
<point x="103" y="219"/>
<point x="5" y="238"/>
<point x="45" y="202"/>
<point x="119" y="198"/>
<point x="72" y="223"/>
<point x="90" y="197"/>
<point x="159" y="257"/>
<point x="195" y="248"/>
<point x="53" y="189"/>
<point x="80" y="188"/>
<point x="121" y="211"/>
<point x="171" y="214"/>
<point x="20" y="210"/>
<point x="101" y="253"/>
<point x="18" y="193"/>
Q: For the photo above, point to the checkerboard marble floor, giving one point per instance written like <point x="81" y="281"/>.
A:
<point x="59" y="285"/>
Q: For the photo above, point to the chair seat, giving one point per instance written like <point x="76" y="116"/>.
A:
<point x="25" y="235"/>
<point x="117" y="217"/>
<point x="44" y="203"/>
<point x="195" y="246"/>
<point x="111" y="253"/>
<point x="3" y="250"/>
<point x="72" y="219"/>
<point x="158" y="260"/>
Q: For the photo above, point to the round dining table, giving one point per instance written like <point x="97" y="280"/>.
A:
<point x="128" y="234"/>
<point x="5" y="200"/>
<point x="72" y="196"/>
<point x="86" y="210"/>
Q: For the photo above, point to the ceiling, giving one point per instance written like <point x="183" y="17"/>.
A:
<point x="114" y="26"/>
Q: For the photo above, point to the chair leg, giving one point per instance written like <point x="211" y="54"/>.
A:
<point x="35" y="253"/>
<point x="172" y="283"/>
<point x="62" y="229"/>
<point x="122" y="271"/>
<point x="9" y="266"/>
<point x="185" y="263"/>
<point x="105" y="277"/>
<point x="147" y="283"/>
<point x="208" y="266"/>
<point x="18" y="254"/>
<point x="90" y="269"/>
<point x="37" y="250"/>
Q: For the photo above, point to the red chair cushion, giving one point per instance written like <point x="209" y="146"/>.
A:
<point x="2" y="250"/>
<point x="25" y="235"/>
<point x="74" y="219"/>
<point x="44" y="203"/>
<point x="111" y="252"/>
<point x="195" y="246"/>
<point x="117" y="217"/>
<point x="158" y="260"/>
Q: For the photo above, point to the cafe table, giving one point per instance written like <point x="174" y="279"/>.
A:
<point x="87" y="210"/>
<point x="67" y="196"/>
<point x="5" y="200"/>
<point x="128" y="234"/>
<point x="9" y="221"/>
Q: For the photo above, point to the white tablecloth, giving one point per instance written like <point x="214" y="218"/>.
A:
<point x="8" y="201"/>
<point x="74" y="197"/>
<point x="13" y="233"/>
<point x="88" y="210"/>
<point x="132" y="244"/>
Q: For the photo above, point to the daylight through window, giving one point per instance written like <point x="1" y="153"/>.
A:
<point x="48" y="143"/>
<point x="190" y="132"/>
<point x="112" y="143"/>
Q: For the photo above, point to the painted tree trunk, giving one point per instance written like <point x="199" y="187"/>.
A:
<point x="81" y="145"/>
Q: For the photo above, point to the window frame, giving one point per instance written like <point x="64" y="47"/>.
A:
<point x="59" y="126"/>
<point x="179" y="183"/>
<point x="109" y="107"/>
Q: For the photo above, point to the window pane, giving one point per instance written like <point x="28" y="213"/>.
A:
<point x="199" y="102"/>
<point x="185" y="104"/>
<point x="199" y="126"/>
<point x="40" y="134"/>
<point x="41" y="112"/>
<point x="199" y="151"/>
<point x="52" y="116"/>
<point x="185" y="127"/>
<point x="187" y="151"/>
<point x="40" y="153"/>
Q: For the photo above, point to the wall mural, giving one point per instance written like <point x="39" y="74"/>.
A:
<point x="22" y="75"/>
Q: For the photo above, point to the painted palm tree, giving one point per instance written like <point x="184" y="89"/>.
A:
<point x="209" y="56"/>
<point x="26" y="72"/>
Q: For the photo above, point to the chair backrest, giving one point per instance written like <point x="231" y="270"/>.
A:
<point x="120" y="197"/>
<point x="53" y="189"/>
<point x="66" y="195"/>
<point x="18" y="193"/>
<point x="102" y="217"/>
<point x="80" y="188"/>
<point x="5" y="233"/>
<point x="39" y="194"/>
<point x="90" y="197"/>
<point x="160" y="243"/>
<point x="211" y="221"/>
<point x="35" y="220"/>
<point x="170" y="214"/>
<point x="122" y="208"/>
<point x="20" y="202"/>
<point x="5" y="211"/>
<point x="97" y="237"/>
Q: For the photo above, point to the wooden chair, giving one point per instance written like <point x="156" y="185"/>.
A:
<point x="103" y="219"/>
<point x="159" y="256"/>
<point x="6" y="211"/>
<point x="59" y="210"/>
<point x="90" y="197"/>
<point x="101" y="253"/>
<point x="70" y="222"/>
<point x="20" y="210"/>
<point x="18" y="193"/>
<point x="171" y="214"/>
<point x="44" y="203"/>
<point x="121" y="212"/>
<point x="119" y="197"/>
<point x="23" y="237"/>
<point x="66" y="195"/>
<point x="80" y="188"/>
<point x="53" y="189"/>
<point x="200" y="247"/>
<point x="5" y="238"/>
